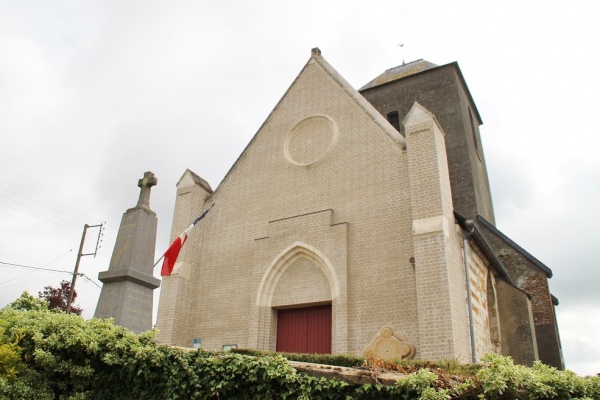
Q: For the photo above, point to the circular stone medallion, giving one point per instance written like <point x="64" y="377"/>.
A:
<point x="310" y="140"/>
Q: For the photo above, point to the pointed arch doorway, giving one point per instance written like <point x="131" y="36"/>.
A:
<point x="299" y="307"/>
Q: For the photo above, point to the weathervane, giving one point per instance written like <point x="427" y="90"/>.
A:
<point x="401" y="45"/>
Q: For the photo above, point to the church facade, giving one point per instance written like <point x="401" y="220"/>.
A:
<point x="358" y="222"/>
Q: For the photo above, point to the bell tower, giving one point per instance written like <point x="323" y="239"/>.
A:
<point x="443" y="91"/>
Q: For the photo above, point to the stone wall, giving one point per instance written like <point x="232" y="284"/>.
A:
<point x="442" y="91"/>
<point x="518" y="336"/>
<point x="529" y="276"/>
<point x="479" y="272"/>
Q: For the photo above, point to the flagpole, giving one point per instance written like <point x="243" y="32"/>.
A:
<point x="194" y="223"/>
<point x="156" y="263"/>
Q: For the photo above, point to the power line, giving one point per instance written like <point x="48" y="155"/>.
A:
<point x="18" y="277"/>
<point x="87" y="278"/>
<point x="30" y="272"/>
<point x="42" y="204"/>
<point x="30" y="267"/>
<point x="59" y="211"/>
<point x="28" y="283"/>
<point x="32" y="215"/>
<point x="61" y="256"/>
<point x="47" y="200"/>
<point x="108" y="232"/>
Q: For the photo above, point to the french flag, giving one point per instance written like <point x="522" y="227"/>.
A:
<point x="172" y="252"/>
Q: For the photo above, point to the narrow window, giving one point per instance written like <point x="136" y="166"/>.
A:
<point x="394" y="119"/>
<point x="473" y="132"/>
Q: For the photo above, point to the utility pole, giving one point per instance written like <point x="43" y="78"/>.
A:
<point x="79" y="255"/>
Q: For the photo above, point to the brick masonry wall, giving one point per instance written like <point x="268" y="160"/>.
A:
<point x="441" y="290"/>
<point x="362" y="178"/>
<point x="320" y="248"/>
<point x="352" y="210"/>
<point x="177" y="293"/>
<point x="456" y="272"/>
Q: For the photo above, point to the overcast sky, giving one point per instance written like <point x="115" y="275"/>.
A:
<point x="95" y="93"/>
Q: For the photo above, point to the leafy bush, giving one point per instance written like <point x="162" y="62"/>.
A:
<point x="28" y="303"/>
<point x="500" y="378"/>
<point x="341" y="360"/>
<point x="49" y="355"/>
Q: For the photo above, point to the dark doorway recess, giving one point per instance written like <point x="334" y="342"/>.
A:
<point x="304" y="330"/>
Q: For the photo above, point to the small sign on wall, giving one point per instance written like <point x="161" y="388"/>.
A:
<point x="228" y="347"/>
<point x="197" y="342"/>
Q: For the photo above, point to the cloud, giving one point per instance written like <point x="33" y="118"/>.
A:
<point x="578" y="330"/>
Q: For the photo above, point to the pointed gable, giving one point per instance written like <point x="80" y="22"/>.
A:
<point x="327" y="85"/>
<point x="359" y="99"/>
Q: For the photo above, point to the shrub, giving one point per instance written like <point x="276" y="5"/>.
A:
<point x="47" y="355"/>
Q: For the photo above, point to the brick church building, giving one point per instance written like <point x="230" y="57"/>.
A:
<point x="359" y="222"/>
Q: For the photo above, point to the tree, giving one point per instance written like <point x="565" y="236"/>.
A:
<point x="58" y="297"/>
<point x="28" y="303"/>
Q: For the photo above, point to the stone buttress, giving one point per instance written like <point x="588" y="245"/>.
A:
<point x="443" y="326"/>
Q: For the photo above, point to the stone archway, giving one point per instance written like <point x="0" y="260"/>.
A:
<point x="316" y="266"/>
<point x="284" y="260"/>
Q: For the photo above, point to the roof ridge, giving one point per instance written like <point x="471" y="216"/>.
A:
<point x="399" y="72"/>
<point x="403" y="64"/>
<point x="359" y="99"/>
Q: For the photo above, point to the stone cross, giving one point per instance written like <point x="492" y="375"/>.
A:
<point x="145" y="184"/>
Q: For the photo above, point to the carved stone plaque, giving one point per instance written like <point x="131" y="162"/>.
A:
<point x="389" y="344"/>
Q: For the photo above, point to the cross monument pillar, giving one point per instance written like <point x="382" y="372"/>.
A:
<point x="127" y="293"/>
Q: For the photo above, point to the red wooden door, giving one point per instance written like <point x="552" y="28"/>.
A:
<point x="304" y="330"/>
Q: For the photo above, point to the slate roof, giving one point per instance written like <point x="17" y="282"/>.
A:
<point x="515" y="246"/>
<point x="400" y="71"/>
<point x="418" y="67"/>
<point x="483" y="243"/>
<point x="480" y="236"/>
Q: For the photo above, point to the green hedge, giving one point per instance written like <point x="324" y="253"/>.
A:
<point x="342" y="360"/>
<point x="47" y="355"/>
